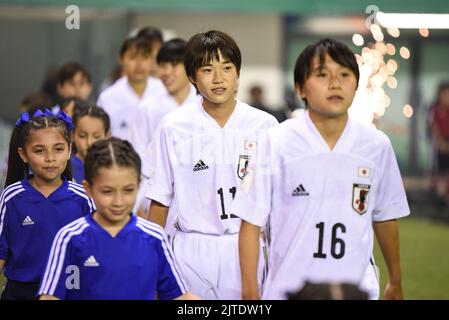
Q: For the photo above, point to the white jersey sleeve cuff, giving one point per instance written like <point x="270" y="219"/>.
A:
<point x="394" y="211"/>
<point x="154" y="193"/>
<point x="249" y="211"/>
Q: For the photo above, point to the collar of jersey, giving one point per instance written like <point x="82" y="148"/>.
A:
<point x="123" y="232"/>
<point x="343" y="144"/>
<point x="59" y="193"/>
<point x="232" y="121"/>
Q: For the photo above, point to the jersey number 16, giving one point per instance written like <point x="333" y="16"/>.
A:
<point x="335" y="242"/>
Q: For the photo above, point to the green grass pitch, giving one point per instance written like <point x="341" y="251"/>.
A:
<point x="424" y="259"/>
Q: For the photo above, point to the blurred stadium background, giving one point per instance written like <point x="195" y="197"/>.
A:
<point x="34" y="40"/>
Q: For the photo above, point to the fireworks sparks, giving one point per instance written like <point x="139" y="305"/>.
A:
<point x="407" y="110"/>
<point x="424" y="32"/>
<point x="377" y="67"/>
<point x="357" y="39"/>
<point x="404" y="52"/>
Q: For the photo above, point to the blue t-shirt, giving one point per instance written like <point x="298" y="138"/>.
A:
<point x="86" y="263"/>
<point x="77" y="168"/>
<point x="29" y="223"/>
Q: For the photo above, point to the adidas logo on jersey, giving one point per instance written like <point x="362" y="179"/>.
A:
<point x="27" y="221"/>
<point x="300" y="191"/>
<point x="91" y="262"/>
<point x="200" y="165"/>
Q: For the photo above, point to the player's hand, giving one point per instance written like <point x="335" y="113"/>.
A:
<point x="393" y="292"/>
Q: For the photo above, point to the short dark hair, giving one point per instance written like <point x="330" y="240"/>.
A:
<point x="139" y="43"/>
<point x="108" y="152"/>
<point x="202" y="48"/>
<point x="69" y="70"/>
<point x="338" y="51"/>
<point x="151" y="34"/>
<point x="92" y="111"/>
<point x="172" y="51"/>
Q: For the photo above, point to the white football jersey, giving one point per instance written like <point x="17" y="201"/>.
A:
<point x="196" y="166"/>
<point x="320" y="203"/>
<point x="150" y="114"/>
<point x="121" y="103"/>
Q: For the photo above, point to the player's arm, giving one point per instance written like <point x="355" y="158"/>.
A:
<point x="2" y="265"/>
<point x="141" y="212"/>
<point x="158" y="213"/>
<point x="47" y="297"/>
<point x="249" y="258"/>
<point x="387" y="234"/>
<point x="161" y="181"/>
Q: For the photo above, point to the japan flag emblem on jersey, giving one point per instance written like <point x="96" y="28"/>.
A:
<point x="250" y="145"/>
<point x="360" y="197"/>
<point x="243" y="164"/>
<point x="364" y="172"/>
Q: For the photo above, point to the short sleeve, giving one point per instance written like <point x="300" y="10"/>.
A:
<point x="55" y="278"/>
<point x="160" y="183"/>
<point x="88" y="206"/>
<point x="391" y="201"/>
<point x="170" y="284"/>
<point x="253" y="199"/>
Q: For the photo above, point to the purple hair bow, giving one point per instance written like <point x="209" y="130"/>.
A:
<point x="66" y="118"/>
<point x="25" y="117"/>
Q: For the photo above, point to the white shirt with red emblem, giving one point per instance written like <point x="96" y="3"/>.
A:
<point x="320" y="203"/>
<point x="196" y="166"/>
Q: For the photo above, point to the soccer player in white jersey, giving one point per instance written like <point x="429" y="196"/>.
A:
<point x="323" y="183"/>
<point x="121" y="100"/>
<point x="180" y="92"/>
<point x="198" y="158"/>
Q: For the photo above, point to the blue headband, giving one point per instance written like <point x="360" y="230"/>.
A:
<point x="25" y="117"/>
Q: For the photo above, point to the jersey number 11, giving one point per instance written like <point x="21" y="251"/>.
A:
<point x="223" y="215"/>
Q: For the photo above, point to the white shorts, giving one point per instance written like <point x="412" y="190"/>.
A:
<point x="370" y="281"/>
<point x="210" y="265"/>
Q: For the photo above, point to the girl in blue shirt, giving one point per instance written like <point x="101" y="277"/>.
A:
<point x="91" y="124"/>
<point x="112" y="254"/>
<point x="38" y="199"/>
